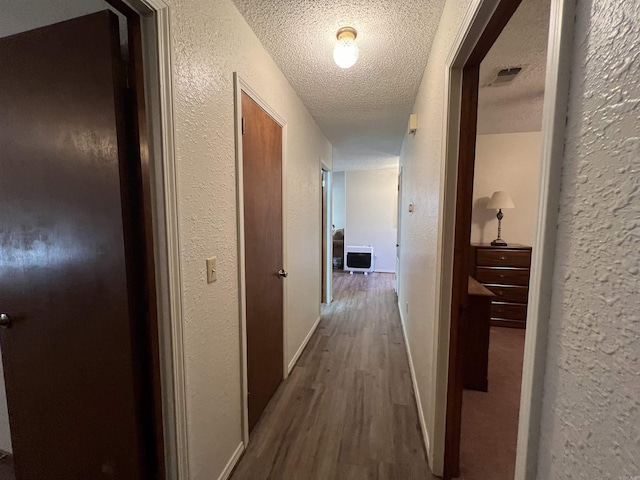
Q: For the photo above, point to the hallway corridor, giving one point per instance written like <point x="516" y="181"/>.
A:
<point x="347" y="410"/>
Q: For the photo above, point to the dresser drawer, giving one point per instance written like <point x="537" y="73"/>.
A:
<point x="504" y="275"/>
<point x="510" y="311"/>
<point x="509" y="293"/>
<point x="502" y="322"/>
<point x="497" y="257"/>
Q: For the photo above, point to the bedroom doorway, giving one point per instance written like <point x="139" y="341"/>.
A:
<point x="462" y="85"/>
<point x="462" y="251"/>
<point x="338" y="214"/>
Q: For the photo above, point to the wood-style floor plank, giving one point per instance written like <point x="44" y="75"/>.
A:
<point x="347" y="410"/>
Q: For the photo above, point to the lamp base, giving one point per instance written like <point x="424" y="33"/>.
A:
<point x="498" y="242"/>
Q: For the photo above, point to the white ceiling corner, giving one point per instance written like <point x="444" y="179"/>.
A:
<point x="362" y="110"/>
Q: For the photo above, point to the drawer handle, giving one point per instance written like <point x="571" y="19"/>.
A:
<point x="502" y="275"/>
<point x="501" y="293"/>
<point x="503" y="257"/>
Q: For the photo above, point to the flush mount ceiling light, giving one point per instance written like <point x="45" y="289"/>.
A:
<point x="345" y="52"/>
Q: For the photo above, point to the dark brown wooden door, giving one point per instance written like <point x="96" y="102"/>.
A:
<point x="68" y="357"/>
<point x="262" y="165"/>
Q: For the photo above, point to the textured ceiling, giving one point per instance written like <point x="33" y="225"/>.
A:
<point x="516" y="107"/>
<point x="363" y="110"/>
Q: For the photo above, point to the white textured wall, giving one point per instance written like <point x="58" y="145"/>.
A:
<point x="210" y="41"/>
<point x="337" y="201"/>
<point x="591" y="420"/>
<point x="511" y="162"/>
<point x="421" y="161"/>
<point x="372" y="210"/>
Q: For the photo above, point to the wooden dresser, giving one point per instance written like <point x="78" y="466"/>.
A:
<point x="476" y="337"/>
<point x="504" y="271"/>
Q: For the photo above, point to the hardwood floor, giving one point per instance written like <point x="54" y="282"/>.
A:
<point x="347" y="410"/>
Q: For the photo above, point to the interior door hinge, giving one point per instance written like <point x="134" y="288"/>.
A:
<point x="243" y="125"/>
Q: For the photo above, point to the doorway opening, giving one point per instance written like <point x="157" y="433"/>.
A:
<point x="504" y="213"/>
<point x="399" y="234"/>
<point x="455" y="249"/>
<point x="364" y="210"/>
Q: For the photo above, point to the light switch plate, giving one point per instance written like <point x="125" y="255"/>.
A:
<point x="211" y="270"/>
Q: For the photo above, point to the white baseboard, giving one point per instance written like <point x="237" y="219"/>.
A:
<point x="232" y="462"/>
<point x="416" y="391"/>
<point x="384" y="271"/>
<point x="295" y="358"/>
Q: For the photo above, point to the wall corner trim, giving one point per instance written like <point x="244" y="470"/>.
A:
<point x="416" y="391"/>
<point x="554" y="118"/>
<point x="233" y="461"/>
<point x="303" y="345"/>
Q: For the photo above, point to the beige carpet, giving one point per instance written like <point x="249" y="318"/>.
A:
<point x="490" y="420"/>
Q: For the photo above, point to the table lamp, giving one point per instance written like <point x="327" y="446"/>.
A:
<point x="500" y="200"/>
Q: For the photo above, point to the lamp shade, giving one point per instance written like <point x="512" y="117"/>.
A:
<point x="500" y="200"/>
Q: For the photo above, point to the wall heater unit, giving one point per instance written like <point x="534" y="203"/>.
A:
<point x="359" y="258"/>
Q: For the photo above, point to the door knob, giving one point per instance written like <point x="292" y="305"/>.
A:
<point x="282" y="273"/>
<point x="5" y="321"/>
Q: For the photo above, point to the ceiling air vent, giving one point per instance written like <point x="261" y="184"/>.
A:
<point x="505" y="76"/>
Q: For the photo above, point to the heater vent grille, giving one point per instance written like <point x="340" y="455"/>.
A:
<point x="359" y="258"/>
<point x="505" y="76"/>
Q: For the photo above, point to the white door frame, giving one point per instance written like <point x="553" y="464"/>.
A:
<point x="553" y="126"/>
<point x="241" y="86"/>
<point x="156" y="38"/>
<point x="327" y="233"/>
<point x="157" y="66"/>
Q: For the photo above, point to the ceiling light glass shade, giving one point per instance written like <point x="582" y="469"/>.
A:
<point x="345" y="52"/>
